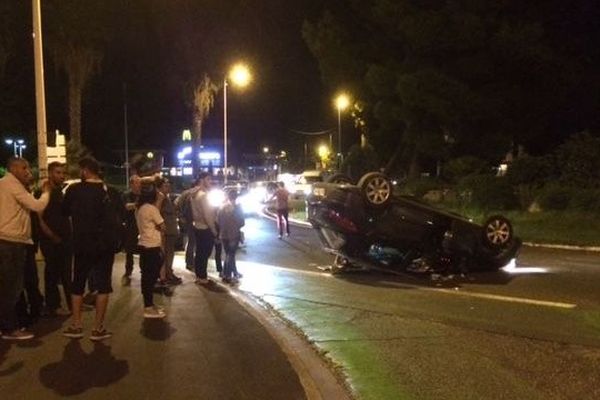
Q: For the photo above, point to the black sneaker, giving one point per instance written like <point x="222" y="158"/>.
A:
<point x="100" y="334"/>
<point x="73" y="332"/>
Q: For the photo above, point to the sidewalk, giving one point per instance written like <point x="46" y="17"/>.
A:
<point x="210" y="346"/>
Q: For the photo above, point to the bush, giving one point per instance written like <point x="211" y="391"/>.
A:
<point x="420" y="187"/>
<point x="555" y="197"/>
<point x="578" y="161"/>
<point x="461" y="167"/>
<point x="585" y="200"/>
<point x="528" y="170"/>
<point x="487" y="192"/>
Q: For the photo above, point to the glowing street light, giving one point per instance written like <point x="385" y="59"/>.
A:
<point x="266" y="150"/>
<point x="240" y="76"/>
<point x="323" y="152"/>
<point x="18" y="146"/>
<point x="342" y="101"/>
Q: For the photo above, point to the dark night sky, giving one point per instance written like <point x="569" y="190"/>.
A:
<point x="286" y="94"/>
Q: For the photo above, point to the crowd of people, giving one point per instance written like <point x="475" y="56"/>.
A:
<point x="80" y="228"/>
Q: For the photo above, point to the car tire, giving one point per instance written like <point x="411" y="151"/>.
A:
<point x="497" y="232"/>
<point x="340" y="179"/>
<point x="376" y="189"/>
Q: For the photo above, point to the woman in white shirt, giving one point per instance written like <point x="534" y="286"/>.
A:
<point x="150" y="227"/>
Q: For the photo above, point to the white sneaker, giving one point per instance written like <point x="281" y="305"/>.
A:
<point x="153" y="312"/>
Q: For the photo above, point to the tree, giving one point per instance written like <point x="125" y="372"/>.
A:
<point x="485" y="73"/>
<point x="203" y="102"/>
<point x="76" y="33"/>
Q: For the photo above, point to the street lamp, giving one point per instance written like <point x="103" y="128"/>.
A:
<point x="18" y="146"/>
<point x="323" y="153"/>
<point x="240" y="76"/>
<point x="342" y="101"/>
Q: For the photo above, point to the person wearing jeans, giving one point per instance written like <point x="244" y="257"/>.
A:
<point x="205" y="229"/>
<point x="55" y="243"/>
<point x="131" y="231"/>
<point x="230" y="219"/>
<point x="151" y="225"/>
<point x="16" y="204"/>
<point x="281" y="197"/>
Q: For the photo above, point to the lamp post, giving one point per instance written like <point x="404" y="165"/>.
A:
<point x="40" y="93"/>
<point x="342" y="101"/>
<point x="240" y="76"/>
<point x="12" y="143"/>
<point x="18" y="146"/>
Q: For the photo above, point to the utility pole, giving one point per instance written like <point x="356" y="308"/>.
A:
<point x="40" y="94"/>
<point x="126" y="134"/>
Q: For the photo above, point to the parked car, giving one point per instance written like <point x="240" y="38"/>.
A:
<point x="304" y="182"/>
<point x="367" y="225"/>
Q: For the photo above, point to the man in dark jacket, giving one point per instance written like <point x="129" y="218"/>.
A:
<point x="55" y="243"/>
<point x="131" y="230"/>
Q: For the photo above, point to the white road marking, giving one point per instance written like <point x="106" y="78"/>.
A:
<point x="510" y="299"/>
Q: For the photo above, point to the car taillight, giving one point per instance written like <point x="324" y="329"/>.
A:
<point x="342" y="221"/>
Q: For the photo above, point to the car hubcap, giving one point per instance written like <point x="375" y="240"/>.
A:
<point x="498" y="232"/>
<point x="378" y="191"/>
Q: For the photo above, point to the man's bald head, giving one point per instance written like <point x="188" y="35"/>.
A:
<point x="19" y="167"/>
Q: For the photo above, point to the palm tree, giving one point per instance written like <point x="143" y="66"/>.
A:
<point x="203" y="94"/>
<point x="76" y="33"/>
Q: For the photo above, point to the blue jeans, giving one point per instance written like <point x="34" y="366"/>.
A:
<point x="151" y="259"/>
<point x="230" y="247"/>
<point x="190" y="247"/>
<point x="204" y="245"/>
<point x="12" y="267"/>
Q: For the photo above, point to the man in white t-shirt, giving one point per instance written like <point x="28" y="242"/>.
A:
<point x="205" y="229"/>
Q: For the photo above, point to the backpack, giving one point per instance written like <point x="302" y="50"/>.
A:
<point x="112" y="226"/>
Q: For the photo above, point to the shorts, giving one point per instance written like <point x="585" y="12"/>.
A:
<point x="97" y="268"/>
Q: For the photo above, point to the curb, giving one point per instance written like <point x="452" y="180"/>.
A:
<point x="316" y="377"/>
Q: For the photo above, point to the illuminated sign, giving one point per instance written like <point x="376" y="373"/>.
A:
<point x="209" y="155"/>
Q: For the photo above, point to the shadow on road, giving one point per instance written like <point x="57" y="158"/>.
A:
<point x="157" y="329"/>
<point x="9" y="369"/>
<point x="78" y="371"/>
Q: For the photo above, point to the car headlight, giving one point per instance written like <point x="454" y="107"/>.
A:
<point x="216" y="197"/>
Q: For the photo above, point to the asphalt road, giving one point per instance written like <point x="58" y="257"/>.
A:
<point x="208" y="347"/>
<point x="531" y="332"/>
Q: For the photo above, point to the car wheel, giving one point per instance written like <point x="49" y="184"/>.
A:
<point x="376" y="188"/>
<point x="340" y="179"/>
<point x="498" y="231"/>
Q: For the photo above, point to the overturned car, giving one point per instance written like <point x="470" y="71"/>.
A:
<point x="365" y="225"/>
